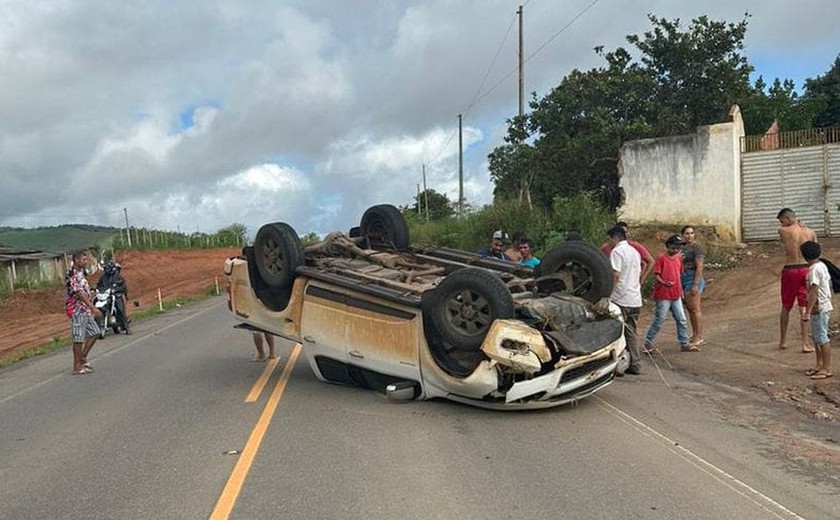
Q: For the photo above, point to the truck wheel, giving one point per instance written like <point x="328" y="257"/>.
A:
<point x="466" y="303"/>
<point x="278" y="253"/>
<point x="384" y="224"/>
<point x="575" y="268"/>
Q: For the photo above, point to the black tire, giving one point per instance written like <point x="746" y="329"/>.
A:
<point x="384" y="225"/>
<point x="575" y="268"/>
<point x="278" y="252"/>
<point x="466" y="303"/>
<point x="103" y="325"/>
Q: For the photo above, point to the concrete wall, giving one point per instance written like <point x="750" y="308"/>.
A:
<point x="687" y="179"/>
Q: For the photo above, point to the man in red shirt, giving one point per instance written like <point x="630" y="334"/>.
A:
<point x="667" y="295"/>
<point x="647" y="258"/>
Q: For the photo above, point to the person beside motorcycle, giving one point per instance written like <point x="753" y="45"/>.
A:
<point x="83" y="315"/>
<point x="112" y="279"/>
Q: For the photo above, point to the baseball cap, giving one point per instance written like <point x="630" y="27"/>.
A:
<point x="674" y="241"/>
<point x="499" y="235"/>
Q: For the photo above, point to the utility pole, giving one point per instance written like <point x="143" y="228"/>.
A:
<point x="525" y="183"/>
<point x="127" y="229"/>
<point x="460" y="168"/>
<point x="419" y="212"/>
<point x="521" y="67"/>
<point x="425" y="194"/>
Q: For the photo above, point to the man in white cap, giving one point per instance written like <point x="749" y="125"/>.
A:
<point x="497" y="247"/>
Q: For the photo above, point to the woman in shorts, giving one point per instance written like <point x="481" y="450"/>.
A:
<point x="693" y="283"/>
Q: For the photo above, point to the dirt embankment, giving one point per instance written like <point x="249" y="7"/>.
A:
<point x="31" y="318"/>
<point x="741" y="308"/>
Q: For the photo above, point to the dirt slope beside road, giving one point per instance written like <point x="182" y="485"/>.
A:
<point x="741" y="309"/>
<point x="30" y="318"/>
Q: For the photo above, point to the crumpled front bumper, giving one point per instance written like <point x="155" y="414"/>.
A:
<point x="580" y="377"/>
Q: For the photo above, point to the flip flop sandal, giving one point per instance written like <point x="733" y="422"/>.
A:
<point x="690" y="348"/>
<point x="83" y="371"/>
<point x="821" y="376"/>
<point x="811" y="371"/>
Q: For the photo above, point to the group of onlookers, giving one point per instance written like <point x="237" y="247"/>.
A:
<point x="805" y="280"/>
<point x="520" y="250"/>
<point x="678" y="280"/>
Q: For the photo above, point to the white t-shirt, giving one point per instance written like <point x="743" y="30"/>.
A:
<point x="818" y="275"/>
<point x="627" y="262"/>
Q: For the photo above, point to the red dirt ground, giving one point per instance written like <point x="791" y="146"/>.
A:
<point x="31" y="318"/>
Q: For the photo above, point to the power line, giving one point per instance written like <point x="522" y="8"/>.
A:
<point x="562" y="30"/>
<point x="490" y="68"/>
<point x="477" y="92"/>
<point x="479" y="96"/>
<point x="541" y="47"/>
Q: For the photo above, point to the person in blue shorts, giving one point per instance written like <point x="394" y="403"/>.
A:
<point x="818" y="309"/>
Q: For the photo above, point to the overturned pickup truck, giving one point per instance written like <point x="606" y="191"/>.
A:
<point x="433" y="322"/>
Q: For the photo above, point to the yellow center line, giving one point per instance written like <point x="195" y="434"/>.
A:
<point x="260" y="384"/>
<point x="230" y="493"/>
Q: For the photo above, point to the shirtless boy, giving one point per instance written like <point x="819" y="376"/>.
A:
<point x="793" y="234"/>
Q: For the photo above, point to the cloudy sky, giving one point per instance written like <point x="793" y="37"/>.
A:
<point x="195" y="114"/>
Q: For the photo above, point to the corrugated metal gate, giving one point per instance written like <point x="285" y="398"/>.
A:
<point x="805" y="179"/>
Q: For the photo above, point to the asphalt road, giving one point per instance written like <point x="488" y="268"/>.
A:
<point x="162" y="430"/>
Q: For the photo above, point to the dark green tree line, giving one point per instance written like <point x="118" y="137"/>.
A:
<point x="669" y="80"/>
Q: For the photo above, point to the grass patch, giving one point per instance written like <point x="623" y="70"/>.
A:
<point x="54" y="344"/>
<point x="30" y="283"/>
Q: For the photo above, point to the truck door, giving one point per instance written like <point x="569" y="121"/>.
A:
<point x="373" y="334"/>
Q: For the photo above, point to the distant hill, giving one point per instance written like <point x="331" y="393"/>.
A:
<point x="58" y="239"/>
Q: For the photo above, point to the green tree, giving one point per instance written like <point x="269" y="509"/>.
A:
<point x="232" y="235"/>
<point x="700" y="72"/>
<point x="310" y="238"/>
<point x="683" y="78"/>
<point x="439" y="205"/>
<point x="826" y="89"/>
<point x="780" y="102"/>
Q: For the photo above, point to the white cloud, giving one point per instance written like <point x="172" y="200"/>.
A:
<point x="206" y="113"/>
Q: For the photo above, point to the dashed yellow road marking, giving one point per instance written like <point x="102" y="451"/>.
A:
<point x="260" y="384"/>
<point x="230" y="493"/>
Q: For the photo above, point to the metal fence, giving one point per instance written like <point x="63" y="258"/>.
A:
<point x="792" y="139"/>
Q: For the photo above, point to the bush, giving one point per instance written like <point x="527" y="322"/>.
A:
<point x="582" y="214"/>
<point x="544" y="229"/>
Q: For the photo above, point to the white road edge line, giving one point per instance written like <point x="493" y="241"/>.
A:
<point x="108" y="353"/>
<point x="732" y="482"/>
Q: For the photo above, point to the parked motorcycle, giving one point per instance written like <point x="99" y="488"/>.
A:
<point x="106" y="301"/>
